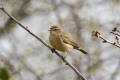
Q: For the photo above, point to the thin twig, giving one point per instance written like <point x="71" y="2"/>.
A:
<point x="98" y="35"/>
<point x="52" y="49"/>
<point x="115" y="29"/>
<point x="117" y="40"/>
<point x="115" y="33"/>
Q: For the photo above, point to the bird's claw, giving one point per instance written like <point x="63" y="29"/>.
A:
<point x="53" y="50"/>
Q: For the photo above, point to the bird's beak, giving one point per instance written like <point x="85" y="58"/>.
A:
<point x="49" y="30"/>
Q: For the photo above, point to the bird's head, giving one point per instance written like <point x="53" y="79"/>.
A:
<point x="55" y="28"/>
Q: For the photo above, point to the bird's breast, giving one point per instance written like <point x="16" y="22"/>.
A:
<point x="57" y="42"/>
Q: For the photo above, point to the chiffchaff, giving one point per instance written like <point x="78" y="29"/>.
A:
<point x="62" y="40"/>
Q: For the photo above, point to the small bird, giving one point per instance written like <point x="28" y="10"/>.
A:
<point x="62" y="40"/>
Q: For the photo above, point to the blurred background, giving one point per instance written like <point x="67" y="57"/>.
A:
<point x="22" y="57"/>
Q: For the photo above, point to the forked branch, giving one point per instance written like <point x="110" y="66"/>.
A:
<point x="98" y="35"/>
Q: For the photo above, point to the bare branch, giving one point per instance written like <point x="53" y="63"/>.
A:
<point x="98" y="35"/>
<point x="116" y="33"/>
<point x="52" y="49"/>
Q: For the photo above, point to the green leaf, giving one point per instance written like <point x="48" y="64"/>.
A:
<point x="4" y="74"/>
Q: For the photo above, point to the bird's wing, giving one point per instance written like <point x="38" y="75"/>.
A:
<point x="67" y="38"/>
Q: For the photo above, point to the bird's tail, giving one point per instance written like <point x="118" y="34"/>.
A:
<point x="83" y="51"/>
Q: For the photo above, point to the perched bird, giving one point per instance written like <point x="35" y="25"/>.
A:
<point x="62" y="40"/>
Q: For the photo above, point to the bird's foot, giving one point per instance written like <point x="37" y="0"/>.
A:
<point x="53" y="50"/>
